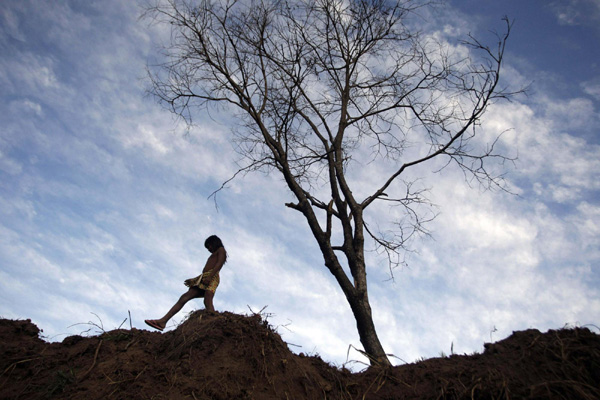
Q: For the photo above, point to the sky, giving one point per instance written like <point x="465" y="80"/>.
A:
<point x="104" y="194"/>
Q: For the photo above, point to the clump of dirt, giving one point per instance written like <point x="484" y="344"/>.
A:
<point x="230" y="356"/>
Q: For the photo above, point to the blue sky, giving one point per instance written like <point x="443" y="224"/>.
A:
<point x="104" y="209"/>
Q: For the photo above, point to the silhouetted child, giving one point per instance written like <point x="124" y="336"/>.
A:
<point x="203" y="285"/>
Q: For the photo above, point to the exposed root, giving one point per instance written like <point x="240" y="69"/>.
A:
<point x="86" y="373"/>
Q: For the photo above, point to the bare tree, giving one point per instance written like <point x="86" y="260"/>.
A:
<point x="317" y="84"/>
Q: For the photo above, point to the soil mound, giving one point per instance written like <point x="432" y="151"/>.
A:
<point x="229" y="356"/>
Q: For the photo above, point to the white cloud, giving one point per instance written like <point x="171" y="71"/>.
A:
<point x="10" y="25"/>
<point x="28" y="73"/>
<point x="547" y="153"/>
<point x="576" y="12"/>
<point x="8" y="165"/>
<point x="570" y="114"/>
<point x="588" y="222"/>
<point x="592" y="88"/>
<point x="25" y="107"/>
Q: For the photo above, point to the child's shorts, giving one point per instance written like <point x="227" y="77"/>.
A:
<point x="205" y="282"/>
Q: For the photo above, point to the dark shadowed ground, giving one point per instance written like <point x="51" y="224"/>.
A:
<point x="230" y="356"/>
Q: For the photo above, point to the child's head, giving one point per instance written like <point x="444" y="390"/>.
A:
<point x="212" y="243"/>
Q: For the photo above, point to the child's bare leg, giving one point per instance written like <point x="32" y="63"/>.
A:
<point x="192" y="293"/>
<point x="208" y="301"/>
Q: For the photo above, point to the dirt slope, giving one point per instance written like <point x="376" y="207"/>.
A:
<point x="229" y="356"/>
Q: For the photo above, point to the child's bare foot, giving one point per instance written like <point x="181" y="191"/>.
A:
<point x="154" y="324"/>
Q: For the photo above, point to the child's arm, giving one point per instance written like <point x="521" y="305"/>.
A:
<point x="214" y="265"/>
<point x="220" y="261"/>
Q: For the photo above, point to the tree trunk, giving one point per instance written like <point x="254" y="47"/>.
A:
<point x="356" y="294"/>
<point x="358" y="299"/>
<point x="359" y="303"/>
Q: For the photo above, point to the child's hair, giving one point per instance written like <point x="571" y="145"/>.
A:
<point x="213" y="241"/>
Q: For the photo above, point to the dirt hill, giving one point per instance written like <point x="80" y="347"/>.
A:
<point x="229" y="356"/>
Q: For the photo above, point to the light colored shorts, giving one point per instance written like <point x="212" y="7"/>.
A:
<point x="206" y="282"/>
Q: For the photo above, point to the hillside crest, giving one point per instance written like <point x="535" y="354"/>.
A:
<point x="229" y="356"/>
